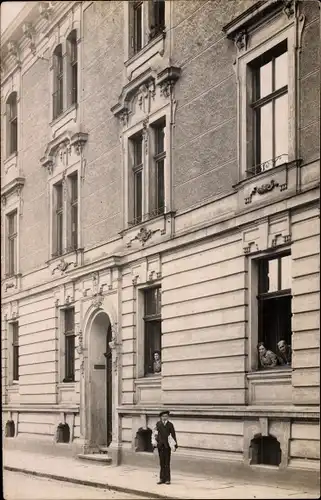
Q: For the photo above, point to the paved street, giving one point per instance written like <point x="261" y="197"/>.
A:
<point x="18" y="486"/>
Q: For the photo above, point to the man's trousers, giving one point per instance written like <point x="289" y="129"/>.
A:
<point x="165" y="463"/>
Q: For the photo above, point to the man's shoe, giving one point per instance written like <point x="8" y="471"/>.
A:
<point x="160" y="482"/>
<point x="167" y="482"/>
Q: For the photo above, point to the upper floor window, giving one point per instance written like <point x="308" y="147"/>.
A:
<point x="12" y="127"/>
<point x="147" y="173"/>
<point x="73" y="69"/>
<point x="12" y="234"/>
<point x="58" y="222"/>
<point x="137" y="147"/>
<point x="158" y="204"/>
<point x="138" y="34"/>
<point x="152" y="333"/>
<point x="69" y="349"/>
<point x="57" y="97"/>
<point x="157" y="18"/>
<point x="147" y="21"/>
<point x="15" y="351"/>
<point x="73" y="211"/>
<point x="65" y="215"/>
<point x="270" y="107"/>
<point x="274" y="311"/>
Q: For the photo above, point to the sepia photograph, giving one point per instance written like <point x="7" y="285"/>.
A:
<point x="160" y="249"/>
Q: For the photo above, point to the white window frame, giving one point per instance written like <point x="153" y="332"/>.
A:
<point x="253" y="324"/>
<point x="68" y="107"/>
<point x="261" y="40"/>
<point x="148" y="160"/>
<point x="140" y="329"/>
<point x="11" y="380"/>
<point x="9" y="209"/>
<point x="64" y="178"/>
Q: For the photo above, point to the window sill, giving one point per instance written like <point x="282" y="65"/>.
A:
<point x="11" y="157"/>
<point x="14" y="386"/>
<point x="151" y="49"/>
<point x="150" y="380"/>
<point x="247" y="178"/>
<point x="67" y="386"/>
<point x="270" y="387"/>
<point x="58" y="124"/>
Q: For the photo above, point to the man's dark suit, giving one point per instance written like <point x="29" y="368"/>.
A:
<point x="164" y="450"/>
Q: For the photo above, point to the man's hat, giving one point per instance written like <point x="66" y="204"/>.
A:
<point x="164" y="412"/>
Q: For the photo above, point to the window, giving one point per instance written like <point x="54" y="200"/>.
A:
<point x="12" y="123"/>
<point x="157" y="18"/>
<point x="159" y="164"/>
<point x="74" y="211"/>
<point x="137" y="144"/>
<point x="73" y="85"/>
<point x="274" y="304"/>
<point x="57" y="98"/>
<point x="15" y="351"/>
<point x="138" y="26"/>
<point x="152" y="327"/>
<point x="69" y="333"/>
<point x="58" y="222"/>
<point x="12" y="243"/>
<point x="270" y="108"/>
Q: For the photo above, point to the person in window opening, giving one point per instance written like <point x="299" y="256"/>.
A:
<point x="267" y="358"/>
<point x="284" y="353"/>
<point x="164" y="439"/>
<point x="157" y="363"/>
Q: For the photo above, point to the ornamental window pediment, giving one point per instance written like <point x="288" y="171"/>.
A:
<point x="64" y="150"/>
<point x="145" y="94"/>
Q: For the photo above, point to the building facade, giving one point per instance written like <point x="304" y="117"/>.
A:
<point x="160" y="228"/>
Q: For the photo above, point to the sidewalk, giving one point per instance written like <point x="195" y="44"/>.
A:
<point x="143" y="481"/>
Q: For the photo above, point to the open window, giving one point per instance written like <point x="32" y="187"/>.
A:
<point x="274" y="311"/>
<point x="152" y="330"/>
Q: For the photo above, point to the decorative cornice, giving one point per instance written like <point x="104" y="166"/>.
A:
<point x="15" y="184"/>
<point x="142" y="87"/>
<point x="66" y="139"/>
<point x="29" y="32"/>
<point x="257" y="14"/>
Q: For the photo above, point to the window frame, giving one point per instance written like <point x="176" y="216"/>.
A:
<point x="12" y="240"/>
<point x="14" y="327"/>
<point x="69" y="337"/>
<point x="151" y="319"/>
<point x="159" y="160"/>
<point x="72" y="67"/>
<point x="58" y="86"/>
<point x="12" y="124"/>
<point x="58" y="224"/>
<point x="254" y="262"/>
<point x="138" y="5"/>
<point x="73" y="209"/>
<point x="257" y="103"/>
<point x="261" y="41"/>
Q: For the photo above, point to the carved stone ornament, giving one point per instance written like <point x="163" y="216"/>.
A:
<point x="13" y="50"/>
<point x="289" y="8"/>
<point x="9" y="285"/>
<point x="114" y="345"/>
<point x="240" y="40"/>
<point x="29" y="32"/>
<point x="263" y="189"/>
<point x="143" y="235"/>
<point x="97" y="300"/>
<point x="80" y="348"/>
<point x="45" y="10"/>
<point x="63" y="266"/>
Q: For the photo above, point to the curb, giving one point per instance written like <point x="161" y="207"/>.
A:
<point x="85" y="482"/>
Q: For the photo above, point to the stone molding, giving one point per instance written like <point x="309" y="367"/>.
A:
<point x="65" y="143"/>
<point x="143" y="87"/>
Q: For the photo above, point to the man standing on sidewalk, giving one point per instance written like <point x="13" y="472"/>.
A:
<point x="164" y="437"/>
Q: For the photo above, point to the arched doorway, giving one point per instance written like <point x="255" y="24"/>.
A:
<point x="100" y="382"/>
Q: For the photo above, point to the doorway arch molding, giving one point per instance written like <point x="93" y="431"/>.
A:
<point x="91" y="313"/>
